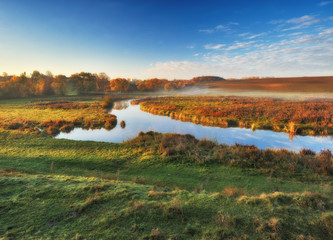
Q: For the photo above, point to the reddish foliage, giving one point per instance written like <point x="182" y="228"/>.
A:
<point x="316" y="115"/>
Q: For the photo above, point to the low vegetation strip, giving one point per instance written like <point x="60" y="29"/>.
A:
<point x="312" y="117"/>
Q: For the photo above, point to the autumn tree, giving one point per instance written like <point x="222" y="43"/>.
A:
<point x="59" y="84"/>
<point x="5" y="76"/>
<point x="154" y="84"/>
<point x="41" y="83"/>
<point x="35" y="76"/>
<point x="170" y="86"/>
<point x="83" y="82"/>
<point x="141" y="86"/>
<point x="20" y="86"/>
<point x="119" y="85"/>
<point x="102" y="82"/>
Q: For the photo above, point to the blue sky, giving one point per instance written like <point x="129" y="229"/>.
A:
<point x="167" y="39"/>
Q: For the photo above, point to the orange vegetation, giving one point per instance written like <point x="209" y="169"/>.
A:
<point x="301" y="117"/>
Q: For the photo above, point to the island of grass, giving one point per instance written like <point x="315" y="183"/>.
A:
<point x="53" y="116"/>
<point x="310" y="117"/>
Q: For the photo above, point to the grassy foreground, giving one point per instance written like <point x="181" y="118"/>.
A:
<point x="56" y="189"/>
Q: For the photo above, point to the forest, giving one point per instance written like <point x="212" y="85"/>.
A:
<point x="39" y="84"/>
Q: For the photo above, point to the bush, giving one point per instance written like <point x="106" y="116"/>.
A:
<point x="14" y="126"/>
<point x="52" y="130"/>
<point x="307" y="152"/>
<point x="107" y="102"/>
<point x="326" y="225"/>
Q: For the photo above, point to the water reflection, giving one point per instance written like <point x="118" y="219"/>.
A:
<point x="137" y="120"/>
<point x="120" y="105"/>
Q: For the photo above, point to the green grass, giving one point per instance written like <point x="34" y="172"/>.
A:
<point x="60" y="206"/>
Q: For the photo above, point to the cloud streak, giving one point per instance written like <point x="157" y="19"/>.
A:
<point x="324" y="3"/>
<point x="295" y="23"/>
<point x="214" y="47"/>
<point x="307" y="54"/>
<point x="301" y="22"/>
<point x="219" y="28"/>
<point x="256" y="35"/>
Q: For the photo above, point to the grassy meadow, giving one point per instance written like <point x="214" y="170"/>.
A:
<point x="155" y="186"/>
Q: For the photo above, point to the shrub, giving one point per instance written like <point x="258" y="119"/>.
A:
<point x="107" y="102"/>
<point x="52" y="130"/>
<point x="190" y="229"/>
<point x="122" y="124"/>
<point x="232" y="192"/>
<point x="307" y="152"/>
<point x="156" y="234"/>
<point x="14" y="126"/>
<point x="326" y="225"/>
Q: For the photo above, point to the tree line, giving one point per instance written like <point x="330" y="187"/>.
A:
<point x="39" y="84"/>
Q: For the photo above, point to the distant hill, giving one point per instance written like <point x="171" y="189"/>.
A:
<point x="206" y="79"/>
<point x="291" y="84"/>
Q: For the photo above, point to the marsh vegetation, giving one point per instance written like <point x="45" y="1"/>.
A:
<point x="310" y="117"/>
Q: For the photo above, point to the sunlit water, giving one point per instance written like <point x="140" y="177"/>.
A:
<point x="137" y="121"/>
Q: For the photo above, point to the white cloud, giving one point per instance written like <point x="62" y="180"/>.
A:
<point x="207" y="30"/>
<point x="301" y="22"/>
<point x="327" y="31"/>
<point x="238" y="45"/>
<point x="324" y="3"/>
<point x="302" y="19"/>
<point x="214" y="47"/>
<point x="221" y="27"/>
<point x="234" y="23"/>
<point x="244" y="34"/>
<point x="256" y="35"/>
<point x="218" y="28"/>
<point x="295" y="33"/>
<point x="296" y="23"/>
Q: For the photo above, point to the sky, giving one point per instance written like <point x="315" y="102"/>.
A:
<point x="168" y="39"/>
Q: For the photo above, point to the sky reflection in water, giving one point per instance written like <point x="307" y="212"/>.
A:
<point x="137" y="121"/>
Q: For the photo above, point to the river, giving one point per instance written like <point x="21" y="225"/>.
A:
<point x="137" y="121"/>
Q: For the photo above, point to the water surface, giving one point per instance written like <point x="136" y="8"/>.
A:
<point x="137" y="121"/>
